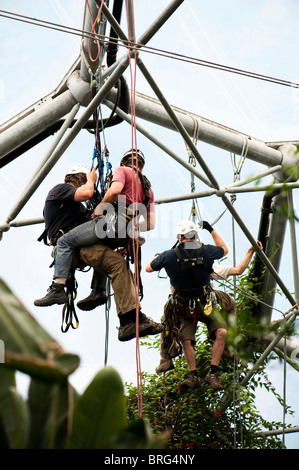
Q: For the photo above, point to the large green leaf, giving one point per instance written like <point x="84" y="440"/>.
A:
<point x="100" y="413"/>
<point x="51" y="408"/>
<point x="28" y="347"/>
<point x="138" y="435"/>
<point x="15" y="419"/>
<point x="7" y="381"/>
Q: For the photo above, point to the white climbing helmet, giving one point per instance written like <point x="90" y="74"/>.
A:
<point x="186" y="228"/>
<point x="130" y="154"/>
<point x="78" y="168"/>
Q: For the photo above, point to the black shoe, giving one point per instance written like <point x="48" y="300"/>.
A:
<point x="93" y="300"/>
<point x="56" y="295"/>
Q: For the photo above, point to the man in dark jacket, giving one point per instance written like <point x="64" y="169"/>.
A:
<point x="189" y="268"/>
<point x="64" y="210"/>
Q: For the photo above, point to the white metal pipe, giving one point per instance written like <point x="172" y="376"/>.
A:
<point x="88" y="43"/>
<point x="160" y="20"/>
<point x="43" y="169"/>
<point x="159" y="143"/>
<point x="178" y="124"/>
<point x="260" y="253"/>
<point x="26" y="222"/>
<point x="226" y="189"/>
<point x="257" y="176"/>
<point x="227" y="397"/>
<point x="36" y="122"/>
<point x="208" y="132"/>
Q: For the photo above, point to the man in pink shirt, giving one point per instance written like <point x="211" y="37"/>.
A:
<point x="129" y="197"/>
<point x="132" y="192"/>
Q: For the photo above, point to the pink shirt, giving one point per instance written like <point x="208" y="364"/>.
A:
<point x="124" y="175"/>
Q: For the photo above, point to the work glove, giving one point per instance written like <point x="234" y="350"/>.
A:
<point x="207" y="226"/>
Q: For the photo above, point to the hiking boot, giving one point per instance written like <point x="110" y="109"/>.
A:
<point x="193" y="382"/>
<point x="213" y="381"/>
<point x="56" y="295"/>
<point x="147" y="324"/>
<point x="94" y="299"/>
<point x="146" y="327"/>
<point x="165" y="365"/>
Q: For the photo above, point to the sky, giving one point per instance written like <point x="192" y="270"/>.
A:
<point x="259" y="36"/>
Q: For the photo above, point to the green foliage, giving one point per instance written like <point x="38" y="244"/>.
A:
<point x="193" y="418"/>
<point x="199" y="419"/>
<point x="54" y="415"/>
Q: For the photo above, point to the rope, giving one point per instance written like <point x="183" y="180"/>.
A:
<point x="238" y="167"/>
<point x="195" y="212"/>
<point x="135" y="237"/>
<point x="94" y="36"/>
<point x="284" y="387"/>
<point x="107" y="314"/>
<point x="237" y="171"/>
<point x="165" y="397"/>
<point x="236" y="368"/>
<point x="145" y="48"/>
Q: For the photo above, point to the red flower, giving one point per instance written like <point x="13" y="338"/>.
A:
<point x="189" y="445"/>
<point x="154" y="423"/>
<point x="217" y="414"/>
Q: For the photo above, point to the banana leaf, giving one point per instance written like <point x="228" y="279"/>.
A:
<point x="13" y="434"/>
<point x="99" y="413"/>
<point x="28" y="347"/>
<point x="51" y="411"/>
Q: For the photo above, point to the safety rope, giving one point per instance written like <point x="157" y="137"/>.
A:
<point x="107" y="315"/>
<point x="238" y="167"/>
<point x="135" y="234"/>
<point x="165" y="398"/>
<point x="237" y="171"/>
<point x="100" y="160"/>
<point x="195" y="212"/>
<point x="236" y="388"/>
<point x="94" y="35"/>
<point x="100" y="157"/>
<point x="236" y="380"/>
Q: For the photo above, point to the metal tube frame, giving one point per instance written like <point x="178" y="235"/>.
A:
<point x="213" y="135"/>
<point x="43" y="169"/>
<point x="289" y="319"/>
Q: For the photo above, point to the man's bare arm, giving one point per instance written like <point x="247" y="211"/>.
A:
<point x="240" y="268"/>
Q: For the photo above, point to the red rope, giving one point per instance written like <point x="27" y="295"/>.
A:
<point x="93" y="23"/>
<point x="135" y="200"/>
<point x="165" y="398"/>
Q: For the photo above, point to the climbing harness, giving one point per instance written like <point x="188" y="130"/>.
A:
<point x="188" y="261"/>
<point x="202" y="297"/>
<point x="69" y="316"/>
